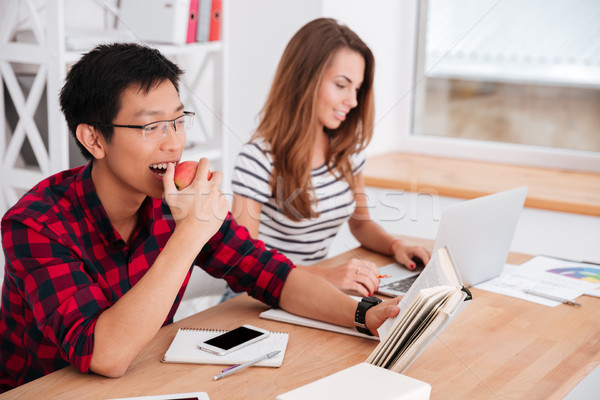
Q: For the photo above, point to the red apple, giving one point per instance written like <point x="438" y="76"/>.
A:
<point x="185" y="173"/>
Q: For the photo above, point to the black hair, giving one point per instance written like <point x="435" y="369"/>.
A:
<point x="94" y="85"/>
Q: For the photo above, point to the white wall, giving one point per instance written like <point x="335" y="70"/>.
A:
<point x="255" y="34"/>
<point x="379" y="25"/>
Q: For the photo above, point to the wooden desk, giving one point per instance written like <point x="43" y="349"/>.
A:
<point x="498" y="348"/>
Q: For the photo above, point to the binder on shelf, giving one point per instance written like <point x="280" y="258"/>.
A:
<point x="162" y="21"/>
<point x="192" y="21"/>
<point x="203" y="20"/>
<point x="215" y="20"/>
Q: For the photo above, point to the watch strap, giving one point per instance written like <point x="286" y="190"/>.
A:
<point x="361" y="311"/>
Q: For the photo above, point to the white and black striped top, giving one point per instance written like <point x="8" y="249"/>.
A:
<point x="307" y="241"/>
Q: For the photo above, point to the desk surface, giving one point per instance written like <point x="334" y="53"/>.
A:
<point x="498" y="347"/>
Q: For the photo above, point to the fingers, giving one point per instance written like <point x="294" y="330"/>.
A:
<point x="410" y="254"/>
<point x="361" y="289"/>
<point x="392" y="309"/>
<point x="168" y="184"/>
<point x="202" y="170"/>
<point x="364" y="268"/>
<point x="216" y="178"/>
<point x="377" y="315"/>
<point x="203" y="173"/>
<point x="366" y="285"/>
<point x="366" y="276"/>
<point x="201" y="200"/>
<point x="422" y="253"/>
<point x="405" y="260"/>
<point x="354" y="276"/>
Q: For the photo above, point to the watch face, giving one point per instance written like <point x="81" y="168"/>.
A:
<point x="372" y="299"/>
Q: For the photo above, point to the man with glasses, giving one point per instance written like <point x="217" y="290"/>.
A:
<point x="99" y="256"/>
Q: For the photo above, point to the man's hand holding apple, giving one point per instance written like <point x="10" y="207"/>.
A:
<point x="198" y="207"/>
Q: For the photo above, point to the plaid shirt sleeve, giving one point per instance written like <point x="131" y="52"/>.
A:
<point x="245" y="263"/>
<point x="63" y="301"/>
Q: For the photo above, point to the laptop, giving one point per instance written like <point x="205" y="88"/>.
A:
<point x="478" y="232"/>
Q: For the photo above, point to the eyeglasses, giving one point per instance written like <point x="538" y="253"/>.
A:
<point x="157" y="130"/>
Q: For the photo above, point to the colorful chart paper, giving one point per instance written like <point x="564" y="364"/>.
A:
<point x="589" y="274"/>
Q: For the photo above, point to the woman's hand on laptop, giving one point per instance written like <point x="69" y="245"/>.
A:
<point x="410" y="256"/>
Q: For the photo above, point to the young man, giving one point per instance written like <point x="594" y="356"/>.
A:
<point x="98" y="252"/>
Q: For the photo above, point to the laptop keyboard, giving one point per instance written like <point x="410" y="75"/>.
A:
<point x="402" y="285"/>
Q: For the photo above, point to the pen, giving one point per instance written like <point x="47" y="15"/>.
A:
<point x="244" y="365"/>
<point x="550" y="297"/>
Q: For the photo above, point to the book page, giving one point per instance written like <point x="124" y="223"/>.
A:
<point x="415" y="334"/>
<point x="439" y="272"/>
<point x="404" y="327"/>
<point x="419" y="325"/>
<point x="384" y="347"/>
<point x="434" y="327"/>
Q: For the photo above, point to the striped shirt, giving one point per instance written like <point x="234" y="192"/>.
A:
<point x="307" y="241"/>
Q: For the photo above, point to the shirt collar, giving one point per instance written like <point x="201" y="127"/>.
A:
<point x="150" y="211"/>
<point x="92" y="207"/>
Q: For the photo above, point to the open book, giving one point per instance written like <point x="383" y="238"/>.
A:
<point x="435" y="298"/>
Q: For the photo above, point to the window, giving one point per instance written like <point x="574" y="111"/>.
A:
<point x="506" y="80"/>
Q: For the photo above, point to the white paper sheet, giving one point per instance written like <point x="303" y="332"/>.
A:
<point x="565" y="279"/>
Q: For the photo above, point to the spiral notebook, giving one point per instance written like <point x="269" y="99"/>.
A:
<point x="184" y="349"/>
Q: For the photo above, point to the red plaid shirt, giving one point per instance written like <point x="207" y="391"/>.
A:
<point x="66" y="264"/>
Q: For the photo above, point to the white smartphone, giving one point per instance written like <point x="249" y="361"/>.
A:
<point x="234" y="340"/>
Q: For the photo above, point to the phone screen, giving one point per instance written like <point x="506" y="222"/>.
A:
<point x="233" y="338"/>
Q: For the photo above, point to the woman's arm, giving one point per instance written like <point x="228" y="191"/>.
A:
<point x="246" y="213"/>
<point x="354" y="276"/>
<point x="374" y="237"/>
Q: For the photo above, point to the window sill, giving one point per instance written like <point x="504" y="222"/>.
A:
<point x="557" y="190"/>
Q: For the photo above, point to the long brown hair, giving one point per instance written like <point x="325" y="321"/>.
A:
<point x="288" y="118"/>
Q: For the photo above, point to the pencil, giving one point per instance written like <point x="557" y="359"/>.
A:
<point x="550" y="297"/>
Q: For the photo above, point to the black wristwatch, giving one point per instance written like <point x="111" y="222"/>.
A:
<point x="361" y="311"/>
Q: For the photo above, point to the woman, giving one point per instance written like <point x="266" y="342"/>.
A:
<point x="300" y="177"/>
